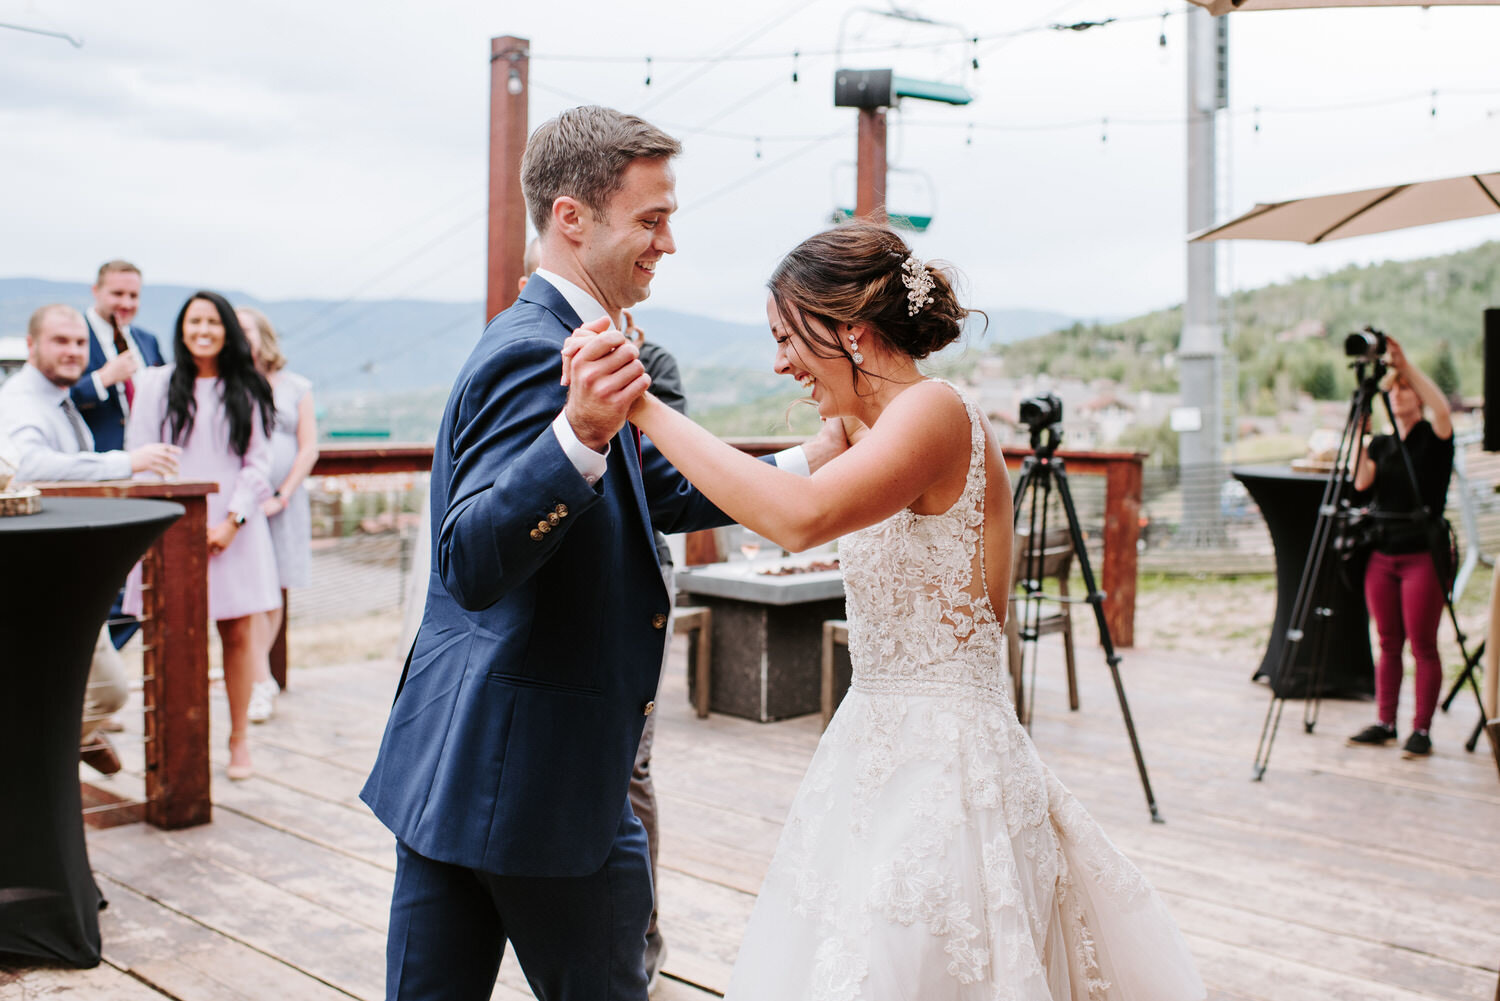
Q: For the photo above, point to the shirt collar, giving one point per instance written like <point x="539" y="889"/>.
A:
<point x="99" y="324"/>
<point x="40" y="384"/>
<point x="585" y="305"/>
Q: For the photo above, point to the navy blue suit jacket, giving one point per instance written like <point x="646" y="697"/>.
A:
<point x="105" y="415"/>
<point x="510" y="745"/>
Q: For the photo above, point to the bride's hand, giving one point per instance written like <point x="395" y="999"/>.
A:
<point x="575" y="342"/>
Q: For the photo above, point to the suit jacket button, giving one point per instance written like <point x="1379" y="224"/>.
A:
<point x="543" y="526"/>
<point x="536" y="534"/>
<point x="658" y="621"/>
<point x="561" y="510"/>
<point x="648" y="709"/>
<point x="553" y="518"/>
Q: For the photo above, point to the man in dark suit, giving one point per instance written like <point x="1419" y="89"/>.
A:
<point x="505" y="762"/>
<point x="117" y="351"/>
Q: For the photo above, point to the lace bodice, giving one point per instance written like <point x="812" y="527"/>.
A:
<point x="920" y="615"/>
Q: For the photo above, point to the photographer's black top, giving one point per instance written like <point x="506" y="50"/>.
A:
<point x="1432" y="458"/>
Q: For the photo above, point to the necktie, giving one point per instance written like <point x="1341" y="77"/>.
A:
<point x="80" y="429"/>
<point x="123" y="347"/>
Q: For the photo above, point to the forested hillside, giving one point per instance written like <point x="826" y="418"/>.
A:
<point x="1289" y="337"/>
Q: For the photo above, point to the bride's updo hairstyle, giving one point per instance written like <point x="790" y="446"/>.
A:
<point x="853" y="274"/>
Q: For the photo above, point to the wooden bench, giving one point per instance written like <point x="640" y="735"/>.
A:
<point x="698" y="623"/>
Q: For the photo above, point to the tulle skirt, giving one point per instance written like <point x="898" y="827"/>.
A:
<point x="930" y="855"/>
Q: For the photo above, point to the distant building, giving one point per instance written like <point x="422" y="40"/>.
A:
<point x="12" y="356"/>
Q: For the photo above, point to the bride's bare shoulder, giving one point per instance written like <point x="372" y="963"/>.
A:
<point x="931" y="404"/>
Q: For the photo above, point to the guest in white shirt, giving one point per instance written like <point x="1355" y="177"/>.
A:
<point x="53" y="443"/>
<point x="38" y="415"/>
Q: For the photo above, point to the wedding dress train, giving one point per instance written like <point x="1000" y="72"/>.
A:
<point x="929" y="854"/>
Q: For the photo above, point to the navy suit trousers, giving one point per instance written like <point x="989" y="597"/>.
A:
<point x="577" y="938"/>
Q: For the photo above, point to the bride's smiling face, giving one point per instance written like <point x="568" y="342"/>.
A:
<point x="827" y="380"/>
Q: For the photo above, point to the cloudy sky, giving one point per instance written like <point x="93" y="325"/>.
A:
<point x="339" y="148"/>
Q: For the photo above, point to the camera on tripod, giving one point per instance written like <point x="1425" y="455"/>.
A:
<point x="1041" y="411"/>
<point x="1365" y="346"/>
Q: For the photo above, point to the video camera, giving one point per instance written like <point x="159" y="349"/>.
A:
<point x="1367" y="346"/>
<point x="1041" y="411"/>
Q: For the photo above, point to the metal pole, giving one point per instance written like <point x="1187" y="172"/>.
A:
<point x="869" y="196"/>
<point x="509" y="83"/>
<point x="1199" y="351"/>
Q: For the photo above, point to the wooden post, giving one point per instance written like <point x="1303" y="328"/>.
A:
<point x="175" y="657"/>
<point x="176" y="671"/>
<point x="869" y="196"/>
<point x="509" y="83"/>
<point x="277" y="655"/>
<point x="1122" y="529"/>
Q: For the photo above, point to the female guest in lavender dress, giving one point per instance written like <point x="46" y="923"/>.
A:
<point x="215" y="405"/>
<point x="294" y="451"/>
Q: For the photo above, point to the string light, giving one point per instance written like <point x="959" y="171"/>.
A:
<point x="648" y="71"/>
<point x="794" y="67"/>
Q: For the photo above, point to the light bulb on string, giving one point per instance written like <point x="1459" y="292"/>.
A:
<point x="513" y="85"/>
<point x="794" y="66"/>
<point x="974" y="52"/>
<point x="1104" y="129"/>
<point x="648" y="71"/>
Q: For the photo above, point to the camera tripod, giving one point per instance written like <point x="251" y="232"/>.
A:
<point x="1040" y="471"/>
<point x="1311" y="608"/>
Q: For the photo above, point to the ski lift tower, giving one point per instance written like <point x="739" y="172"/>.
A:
<point x="872" y="92"/>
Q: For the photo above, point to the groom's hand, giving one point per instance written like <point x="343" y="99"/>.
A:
<point x="605" y="378"/>
<point x="828" y="444"/>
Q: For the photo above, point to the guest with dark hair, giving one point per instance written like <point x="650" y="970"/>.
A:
<point x="1402" y="588"/>
<point x="215" y="405"/>
<point x="294" y="452"/>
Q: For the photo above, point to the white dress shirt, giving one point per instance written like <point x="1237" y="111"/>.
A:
<point x="53" y="445"/>
<point x="591" y="464"/>
<point x="104" y="333"/>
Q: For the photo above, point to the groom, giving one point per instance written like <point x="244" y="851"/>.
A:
<point x="505" y="762"/>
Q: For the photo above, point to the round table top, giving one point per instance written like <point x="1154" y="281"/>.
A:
<point x="70" y="514"/>
<point x="1276" y="471"/>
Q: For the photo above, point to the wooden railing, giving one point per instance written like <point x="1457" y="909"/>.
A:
<point x="174" y="623"/>
<point x="1122" y="511"/>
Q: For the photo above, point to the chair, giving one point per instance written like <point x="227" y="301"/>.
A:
<point x="836" y="669"/>
<point x="1056" y="564"/>
<point x="697" y="621"/>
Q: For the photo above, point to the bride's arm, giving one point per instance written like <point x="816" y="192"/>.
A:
<point x="917" y="440"/>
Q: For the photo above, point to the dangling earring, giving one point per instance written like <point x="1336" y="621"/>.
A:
<point x="859" y="359"/>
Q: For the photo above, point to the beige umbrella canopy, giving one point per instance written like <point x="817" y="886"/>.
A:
<point x="1217" y="7"/>
<point x="1360" y="213"/>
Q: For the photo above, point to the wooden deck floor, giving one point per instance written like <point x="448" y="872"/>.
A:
<point x="1347" y="874"/>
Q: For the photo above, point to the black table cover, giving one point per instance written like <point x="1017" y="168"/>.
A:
<point x="1289" y="503"/>
<point x="59" y="572"/>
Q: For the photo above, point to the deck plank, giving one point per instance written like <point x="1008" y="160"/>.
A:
<point x="1346" y="874"/>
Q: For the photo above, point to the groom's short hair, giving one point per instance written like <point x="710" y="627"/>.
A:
<point x="583" y="153"/>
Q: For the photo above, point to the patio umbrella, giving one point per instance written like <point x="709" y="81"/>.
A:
<point x="1217" y="7"/>
<point x="1359" y="213"/>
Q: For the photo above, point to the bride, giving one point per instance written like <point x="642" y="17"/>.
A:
<point x="929" y="854"/>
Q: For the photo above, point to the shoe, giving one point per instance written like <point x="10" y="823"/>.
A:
<point x="1418" y="745"/>
<point x="1374" y="735"/>
<point x="242" y="770"/>
<point x="263" y="700"/>
<point x="656" y="956"/>
<point x="100" y="755"/>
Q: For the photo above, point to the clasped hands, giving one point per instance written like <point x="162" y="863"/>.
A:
<point x="606" y="381"/>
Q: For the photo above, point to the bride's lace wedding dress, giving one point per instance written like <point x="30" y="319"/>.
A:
<point x="929" y="854"/>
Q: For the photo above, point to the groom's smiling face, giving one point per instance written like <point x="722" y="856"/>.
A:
<point x="625" y="242"/>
